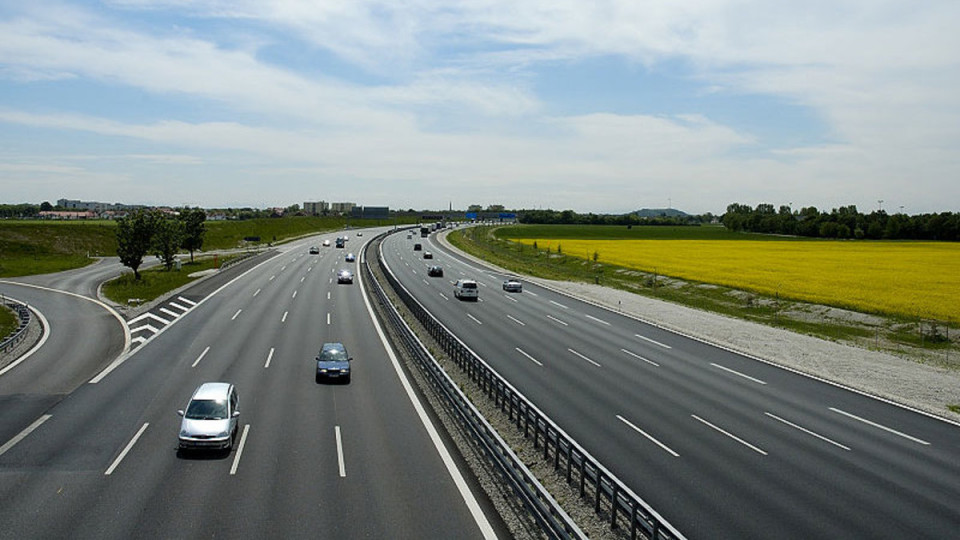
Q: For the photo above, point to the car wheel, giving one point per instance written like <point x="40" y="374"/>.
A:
<point x="317" y="379"/>
<point x="347" y="379"/>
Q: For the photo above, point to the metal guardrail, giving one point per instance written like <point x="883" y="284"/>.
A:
<point x="559" y="447"/>
<point x="23" y="315"/>
<point x="552" y="519"/>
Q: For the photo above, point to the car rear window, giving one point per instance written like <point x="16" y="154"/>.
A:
<point x="469" y="285"/>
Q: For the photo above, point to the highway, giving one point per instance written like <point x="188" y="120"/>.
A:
<point x="95" y="457"/>
<point x="721" y="445"/>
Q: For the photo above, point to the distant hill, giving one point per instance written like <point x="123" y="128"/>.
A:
<point x="659" y="212"/>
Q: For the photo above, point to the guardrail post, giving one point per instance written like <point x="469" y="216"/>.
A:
<point x="596" y="503"/>
<point x="613" y="506"/>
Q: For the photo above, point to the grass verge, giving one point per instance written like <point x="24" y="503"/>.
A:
<point x="156" y="282"/>
<point x="919" y="340"/>
<point x="8" y="322"/>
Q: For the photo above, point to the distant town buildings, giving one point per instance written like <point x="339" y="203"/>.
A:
<point x="94" y="206"/>
<point x="323" y="207"/>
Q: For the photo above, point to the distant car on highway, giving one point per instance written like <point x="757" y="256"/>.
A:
<point x="314" y="250"/>
<point x="333" y="362"/>
<point x="350" y="257"/>
<point x="359" y="234"/>
<point x="417" y="247"/>
<point x="435" y="271"/>
<point x="466" y="288"/>
<point x="427" y="255"/>
<point x="326" y="243"/>
<point x="345" y="276"/>
<point x="512" y="285"/>
<point x="210" y="419"/>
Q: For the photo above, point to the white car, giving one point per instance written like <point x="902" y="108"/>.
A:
<point x="466" y="288"/>
<point x="326" y="243"/>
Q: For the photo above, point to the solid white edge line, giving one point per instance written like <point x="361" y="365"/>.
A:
<point x="199" y="358"/>
<point x="43" y="339"/>
<point x="648" y="436"/>
<point x="737" y="373"/>
<point x="468" y="497"/>
<point x="343" y="469"/>
<point x="655" y="342"/>
<point x="126" y="449"/>
<point x="807" y="431"/>
<point x="236" y="459"/>
<point x="728" y="434"/>
<point x="638" y="357"/>
<point x="584" y="357"/>
<point x="532" y="359"/>
<point x="269" y="357"/>
<point x="23" y="434"/>
<point x="879" y="426"/>
<point x="110" y="310"/>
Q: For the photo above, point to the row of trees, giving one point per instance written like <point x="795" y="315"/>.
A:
<point x="569" y="217"/>
<point x="146" y="231"/>
<point x="843" y="222"/>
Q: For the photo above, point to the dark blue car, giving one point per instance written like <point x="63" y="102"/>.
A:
<point x="333" y="363"/>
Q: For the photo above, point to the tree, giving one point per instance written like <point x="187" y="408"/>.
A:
<point x="194" y="229"/>
<point x="167" y="238"/>
<point x="134" y="235"/>
<point x="45" y="206"/>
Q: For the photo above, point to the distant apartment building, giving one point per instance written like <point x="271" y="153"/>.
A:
<point x="316" y="208"/>
<point x="342" y="207"/>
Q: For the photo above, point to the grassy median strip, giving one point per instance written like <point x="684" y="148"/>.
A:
<point x="156" y="282"/>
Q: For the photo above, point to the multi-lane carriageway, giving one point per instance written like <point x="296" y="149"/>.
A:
<point x="722" y="445"/>
<point x="98" y="459"/>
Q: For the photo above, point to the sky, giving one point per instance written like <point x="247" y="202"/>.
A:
<point x="603" y="106"/>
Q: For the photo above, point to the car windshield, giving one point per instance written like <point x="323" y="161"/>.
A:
<point x="333" y="355"/>
<point x="207" y="409"/>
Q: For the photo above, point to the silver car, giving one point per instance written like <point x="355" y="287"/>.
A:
<point x="210" y="419"/>
<point x="512" y="285"/>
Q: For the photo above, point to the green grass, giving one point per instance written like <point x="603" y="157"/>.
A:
<point x="29" y="247"/>
<point x="40" y="247"/>
<point x="493" y="244"/>
<point x="8" y="322"/>
<point x="155" y="282"/>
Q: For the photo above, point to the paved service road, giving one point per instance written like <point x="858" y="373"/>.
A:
<point x="721" y="445"/>
<point x="345" y="461"/>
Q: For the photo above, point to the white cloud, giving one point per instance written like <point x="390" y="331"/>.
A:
<point x="882" y="74"/>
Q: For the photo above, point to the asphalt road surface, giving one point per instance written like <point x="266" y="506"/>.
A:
<point x="721" y="445"/>
<point x="94" y="455"/>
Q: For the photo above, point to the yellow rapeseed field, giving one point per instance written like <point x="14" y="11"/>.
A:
<point x="902" y="278"/>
